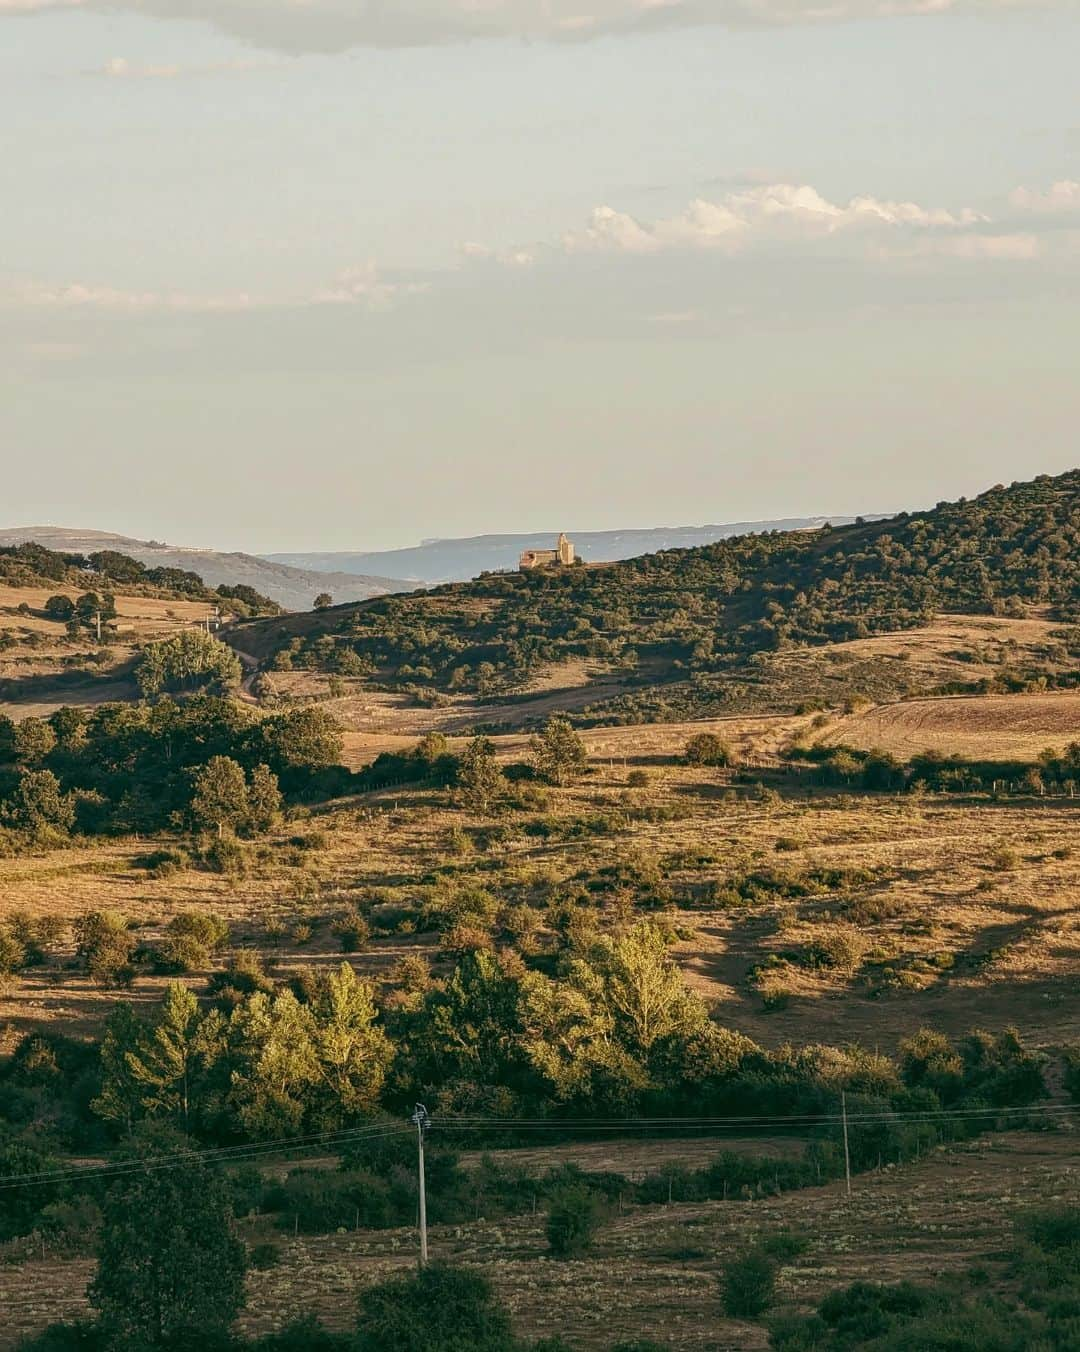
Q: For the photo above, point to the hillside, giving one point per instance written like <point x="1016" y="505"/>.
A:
<point x="293" y="588"/>
<point x="460" y="560"/>
<point x="701" y="621"/>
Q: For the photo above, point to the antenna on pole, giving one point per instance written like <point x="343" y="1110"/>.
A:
<point x="421" y="1120"/>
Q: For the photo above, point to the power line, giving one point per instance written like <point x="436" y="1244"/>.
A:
<point x="223" y="1155"/>
<point x="565" y="1126"/>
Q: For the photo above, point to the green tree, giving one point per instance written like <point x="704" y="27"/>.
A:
<point x="558" y="752"/>
<point x="170" y="1058"/>
<point x="264" y="800"/>
<point x="34" y="739"/>
<point x="480" y="781"/>
<point x="451" y="1309"/>
<point x="120" y="1099"/>
<point x="170" y="1267"/>
<point x="353" y="1052"/>
<point x="38" y="805"/>
<point x="191" y="660"/>
<point x="273" y="1051"/>
<point x="323" y="601"/>
<point x="219" y="799"/>
<point x="60" y="608"/>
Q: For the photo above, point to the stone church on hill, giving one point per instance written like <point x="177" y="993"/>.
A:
<point x="562" y="555"/>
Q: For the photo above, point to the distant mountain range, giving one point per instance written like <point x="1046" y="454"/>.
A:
<point x="459" y="560"/>
<point x="292" y="587"/>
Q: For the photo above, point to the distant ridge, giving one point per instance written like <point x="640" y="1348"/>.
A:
<point x="460" y="560"/>
<point x="293" y="588"/>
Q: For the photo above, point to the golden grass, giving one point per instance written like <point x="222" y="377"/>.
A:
<point x="653" y="1272"/>
<point x="979" y="727"/>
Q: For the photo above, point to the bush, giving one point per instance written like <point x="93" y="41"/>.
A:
<point x="706" y="748"/>
<point x="264" y="1256"/>
<point x="748" y="1284"/>
<point x="573" y="1219"/>
<point x="441" y="1307"/>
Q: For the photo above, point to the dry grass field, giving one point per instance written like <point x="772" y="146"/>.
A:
<point x="653" y="1273"/>
<point x="44" y="669"/>
<point x="979" y="727"/>
<point x="965" y="912"/>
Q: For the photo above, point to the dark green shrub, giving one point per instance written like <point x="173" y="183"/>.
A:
<point x="748" y="1284"/>
<point x="573" y="1219"/>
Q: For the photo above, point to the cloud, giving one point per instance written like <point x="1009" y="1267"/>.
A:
<point x="336" y="25"/>
<point x="36" y="6"/>
<point x="367" y="286"/>
<point x="120" y="68"/>
<point x="772" y="212"/>
<point x="1009" y="248"/>
<point x="84" y="296"/>
<point x="1061" y="197"/>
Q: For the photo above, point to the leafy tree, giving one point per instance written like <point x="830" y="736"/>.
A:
<point x="353" y="1053"/>
<point x="480" y="781"/>
<point x="275" y="1063"/>
<point x="452" y="1309"/>
<point x="264" y="800"/>
<point x="59" y="607"/>
<point x="558" y="752"/>
<point x="38" y="805"/>
<point x="323" y="601"/>
<point x="219" y="800"/>
<point x="299" y="741"/>
<point x="170" y="1266"/>
<point x="34" y="738"/>
<point x="191" y="660"/>
<point x="121" y="1096"/>
<point x="170" y="1058"/>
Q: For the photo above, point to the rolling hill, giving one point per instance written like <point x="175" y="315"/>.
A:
<point x="702" y="618"/>
<point x="293" y="588"/>
<point x="460" y="560"/>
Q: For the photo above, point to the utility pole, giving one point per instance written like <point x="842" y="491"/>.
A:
<point x="421" y="1121"/>
<point x="847" y="1152"/>
<point x="97" y="621"/>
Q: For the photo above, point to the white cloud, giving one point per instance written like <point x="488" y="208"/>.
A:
<point x="84" y="296"/>
<point x="1008" y="248"/>
<point x="35" y="6"/>
<point x="1061" y="197"/>
<point x="335" y="25"/>
<point x="120" y="68"/>
<point x="775" y="211"/>
<point x="367" y="286"/>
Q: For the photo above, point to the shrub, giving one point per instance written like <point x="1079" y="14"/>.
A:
<point x="573" y="1219"/>
<point x="352" y="931"/>
<point x="439" y="1307"/>
<point x="748" y="1284"/>
<point x="706" y="748"/>
<point x="264" y="1256"/>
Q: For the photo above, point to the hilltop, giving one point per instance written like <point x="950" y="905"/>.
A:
<point x="292" y="588"/>
<point x="460" y="560"/>
<point x="704" y="623"/>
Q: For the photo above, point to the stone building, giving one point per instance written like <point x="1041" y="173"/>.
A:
<point x="562" y="555"/>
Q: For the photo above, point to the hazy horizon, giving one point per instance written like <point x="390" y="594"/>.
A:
<point x="336" y="277"/>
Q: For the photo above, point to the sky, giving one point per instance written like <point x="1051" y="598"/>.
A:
<point x="346" y="274"/>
